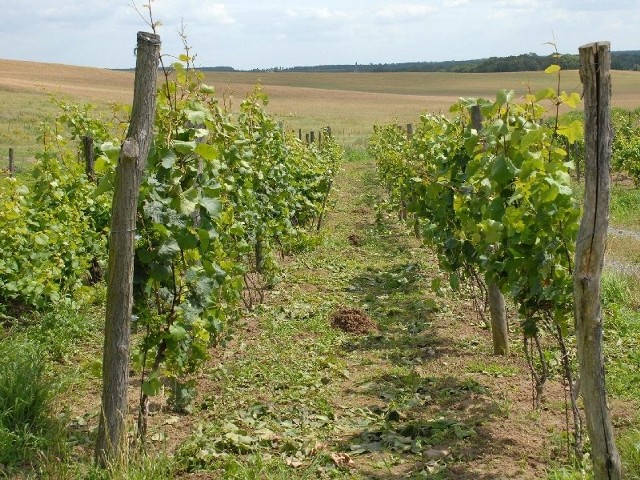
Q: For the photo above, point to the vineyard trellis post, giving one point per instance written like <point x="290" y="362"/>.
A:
<point x="89" y="156"/>
<point x="595" y="63"/>
<point x="11" y="164"/>
<point x="497" y="307"/>
<point x="111" y="441"/>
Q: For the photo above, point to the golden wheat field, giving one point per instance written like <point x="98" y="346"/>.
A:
<point x="349" y="102"/>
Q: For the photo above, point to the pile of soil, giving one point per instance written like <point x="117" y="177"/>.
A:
<point x="354" y="240"/>
<point x="352" y="320"/>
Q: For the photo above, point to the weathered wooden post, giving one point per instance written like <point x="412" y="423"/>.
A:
<point x="409" y="131"/>
<point x="497" y="307"/>
<point x="312" y="136"/>
<point x="112" y="430"/>
<point x="11" y="164"/>
<point x="300" y="134"/>
<point x="320" y="137"/>
<point x="595" y="63"/>
<point x="89" y="156"/>
<point x="306" y="138"/>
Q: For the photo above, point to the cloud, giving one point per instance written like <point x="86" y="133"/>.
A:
<point x="323" y="13"/>
<point x="217" y="13"/>
<point x="455" y="3"/>
<point x="402" y="11"/>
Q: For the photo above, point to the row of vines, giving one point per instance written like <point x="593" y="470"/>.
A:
<point x="495" y="201"/>
<point x="223" y="195"/>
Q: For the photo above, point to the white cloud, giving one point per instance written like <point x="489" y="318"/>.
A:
<point x="217" y="13"/>
<point x="323" y="13"/>
<point x="455" y="3"/>
<point x="398" y="11"/>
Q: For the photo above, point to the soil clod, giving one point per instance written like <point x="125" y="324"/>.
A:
<point x="353" y="320"/>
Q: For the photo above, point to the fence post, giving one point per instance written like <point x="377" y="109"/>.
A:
<point x="112" y="431"/>
<point x="409" y="131"/>
<point x="89" y="156"/>
<point x="595" y="63"/>
<point x="497" y="307"/>
<point x="320" y="137"/>
<point x="300" y="134"/>
<point x="306" y="138"/>
<point x="11" y="164"/>
<point x="312" y="136"/>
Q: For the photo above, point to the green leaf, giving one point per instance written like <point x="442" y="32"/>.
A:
<point x="213" y="206"/>
<point x="531" y="137"/>
<point x="492" y="230"/>
<point x="551" y="69"/>
<point x="206" y="151"/>
<point x="168" y="160"/>
<point x="196" y="117"/>
<point x="152" y="385"/>
<point x="572" y="132"/>
<point x="177" y="332"/>
<point x="544" y="94"/>
<point x="169" y="249"/>
<point x="503" y="170"/>
<point x="504" y="96"/>
<point x="183" y="147"/>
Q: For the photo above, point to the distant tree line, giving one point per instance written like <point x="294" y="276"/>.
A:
<point x="526" y="62"/>
<point x="623" y="60"/>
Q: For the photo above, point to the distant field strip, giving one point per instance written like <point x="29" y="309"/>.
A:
<point x="349" y="102"/>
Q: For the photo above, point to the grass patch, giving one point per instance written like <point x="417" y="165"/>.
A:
<point x="27" y="427"/>
<point x="625" y="206"/>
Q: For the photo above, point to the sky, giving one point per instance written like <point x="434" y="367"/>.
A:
<point x="247" y="34"/>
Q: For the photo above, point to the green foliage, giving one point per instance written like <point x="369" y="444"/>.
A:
<point x="220" y="194"/>
<point x="46" y="240"/>
<point x="626" y="142"/>
<point x="26" y="424"/>
<point x="497" y="200"/>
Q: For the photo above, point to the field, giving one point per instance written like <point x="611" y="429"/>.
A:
<point x="349" y="102"/>
<point x="416" y="394"/>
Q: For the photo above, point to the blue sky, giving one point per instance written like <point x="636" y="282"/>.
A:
<point x="261" y="34"/>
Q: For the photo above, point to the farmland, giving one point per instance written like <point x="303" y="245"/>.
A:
<point x="349" y="102"/>
<point x="415" y="393"/>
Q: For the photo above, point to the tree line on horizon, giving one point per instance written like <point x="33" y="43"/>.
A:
<point x="621" y="60"/>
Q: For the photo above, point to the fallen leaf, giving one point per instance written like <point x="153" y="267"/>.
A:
<point x="342" y="460"/>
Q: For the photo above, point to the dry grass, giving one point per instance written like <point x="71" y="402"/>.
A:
<point x="350" y="102"/>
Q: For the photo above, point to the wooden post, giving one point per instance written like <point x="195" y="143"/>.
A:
<point x="320" y="137"/>
<point x="497" y="308"/>
<point x="89" y="157"/>
<point x="595" y="63"/>
<point x="11" y="164"/>
<point x="409" y="131"/>
<point x="300" y="134"/>
<point x="312" y="136"/>
<point x="112" y="431"/>
<point x="306" y="138"/>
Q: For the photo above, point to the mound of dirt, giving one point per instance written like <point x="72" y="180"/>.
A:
<point x="354" y="240"/>
<point x="352" y="320"/>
